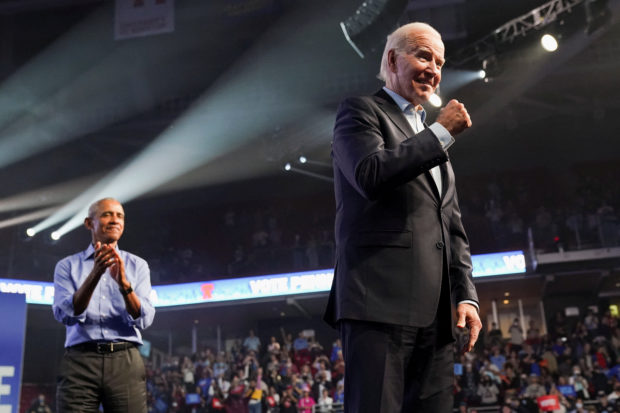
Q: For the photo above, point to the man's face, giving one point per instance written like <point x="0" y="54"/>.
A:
<point x="108" y="222"/>
<point x="416" y="71"/>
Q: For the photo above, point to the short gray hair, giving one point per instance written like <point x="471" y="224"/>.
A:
<point x="92" y="209"/>
<point x="398" y="40"/>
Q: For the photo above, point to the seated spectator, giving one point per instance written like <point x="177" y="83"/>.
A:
<point x="339" y="393"/>
<point x="487" y="391"/>
<point x="288" y="404"/>
<point x="254" y="395"/>
<point x="301" y="342"/>
<point x="516" y="335"/>
<point x="235" y="402"/>
<point x="273" y="347"/>
<point x="251" y="342"/>
<point x="336" y="347"/>
<point x="325" y="402"/>
<point x="39" y="405"/>
<point x="534" y="389"/>
<point x="615" y="394"/>
<point x="533" y="336"/>
<point x="579" y="383"/>
<point x="498" y="359"/>
<point x="306" y="402"/>
<point x="495" y="335"/>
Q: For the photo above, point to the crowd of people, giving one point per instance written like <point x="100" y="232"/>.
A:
<point x="284" y="375"/>
<point x="578" y="361"/>
<point x="244" y="239"/>
<point x="498" y="212"/>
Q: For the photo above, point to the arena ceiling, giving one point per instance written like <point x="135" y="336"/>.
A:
<point x="240" y="88"/>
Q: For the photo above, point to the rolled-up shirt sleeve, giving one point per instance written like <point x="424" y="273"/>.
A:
<point x="64" y="288"/>
<point x="142" y="288"/>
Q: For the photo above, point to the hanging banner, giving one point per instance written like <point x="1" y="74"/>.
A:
<point x="13" y="330"/>
<point x="137" y="18"/>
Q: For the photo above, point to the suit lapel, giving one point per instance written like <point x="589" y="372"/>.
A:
<point x="391" y="109"/>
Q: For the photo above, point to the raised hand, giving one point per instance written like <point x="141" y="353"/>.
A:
<point x="104" y="258"/>
<point x="454" y="117"/>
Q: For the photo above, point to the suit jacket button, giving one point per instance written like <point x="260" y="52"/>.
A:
<point x="439" y="245"/>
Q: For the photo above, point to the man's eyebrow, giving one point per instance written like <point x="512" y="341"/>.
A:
<point x="113" y="212"/>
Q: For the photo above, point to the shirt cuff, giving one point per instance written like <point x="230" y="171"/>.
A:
<point x="67" y="313"/>
<point x="442" y="134"/>
<point x="475" y="304"/>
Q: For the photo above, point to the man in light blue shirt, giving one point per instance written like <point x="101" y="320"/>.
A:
<point x="102" y="295"/>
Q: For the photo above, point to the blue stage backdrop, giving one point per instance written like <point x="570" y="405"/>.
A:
<point x="12" y="335"/>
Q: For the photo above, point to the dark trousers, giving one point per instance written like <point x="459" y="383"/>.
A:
<point x="115" y="380"/>
<point x="392" y="368"/>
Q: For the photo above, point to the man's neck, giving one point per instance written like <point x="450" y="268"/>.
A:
<point x="416" y="107"/>
<point x="113" y="244"/>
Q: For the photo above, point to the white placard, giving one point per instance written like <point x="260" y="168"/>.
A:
<point x="136" y="18"/>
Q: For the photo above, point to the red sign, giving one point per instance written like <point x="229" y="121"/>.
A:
<point x="548" y="403"/>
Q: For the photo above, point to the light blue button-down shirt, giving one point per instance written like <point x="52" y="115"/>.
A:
<point x="106" y="318"/>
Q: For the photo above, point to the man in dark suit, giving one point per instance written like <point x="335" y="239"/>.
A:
<point x="402" y="253"/>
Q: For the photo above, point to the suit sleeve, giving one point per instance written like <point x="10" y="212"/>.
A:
<point x="461" y="267"/>
<point x="372" y="155"/>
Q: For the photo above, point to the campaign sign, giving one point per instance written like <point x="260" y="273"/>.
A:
<point x="13" y="328"/>
<point x="548" y="403"/>
<point x="567" y="390"/>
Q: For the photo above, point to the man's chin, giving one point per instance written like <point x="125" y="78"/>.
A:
<point x="109" y="239"/>
<point x="423" y="95"/>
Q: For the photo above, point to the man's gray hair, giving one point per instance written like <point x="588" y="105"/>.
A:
<point x="92" y="209"/>
<point x="398" y="40"/>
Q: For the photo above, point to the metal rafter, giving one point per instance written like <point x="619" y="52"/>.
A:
<point x="518" y="27"/>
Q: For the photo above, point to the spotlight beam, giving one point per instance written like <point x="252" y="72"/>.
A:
<point x="318" y="163"/>
<point x="50" y="195"/>
<point x="81" y="84"/>
<point x="29" y="217"/>
<point x="311" y="174"/>
<point x="229" y="114"/>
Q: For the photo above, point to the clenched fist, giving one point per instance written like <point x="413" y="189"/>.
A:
<point x="454" y="117"/>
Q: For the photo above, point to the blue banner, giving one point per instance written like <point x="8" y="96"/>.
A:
<point x="13" y="328"/>
<point x="319" y="281"/>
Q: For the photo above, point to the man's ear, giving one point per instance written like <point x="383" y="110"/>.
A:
<point x="391" y="60"/>
<point x="88" y="223"/>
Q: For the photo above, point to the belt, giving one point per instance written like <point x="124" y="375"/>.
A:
<point x="103" y="347"/>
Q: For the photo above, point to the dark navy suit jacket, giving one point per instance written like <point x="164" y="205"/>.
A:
<point x="395" y="234"/>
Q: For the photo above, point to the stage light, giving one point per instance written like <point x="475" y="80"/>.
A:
<point x="549" y="43"/>
<point x="373" y="20"/>
<point x="287" y="167"/>
<point x="55" y="235"/>
<point x="482" y="74"/>
<point x="302" y="159"/>
<point x="492" y="67"/>
<point x="31" y="232"/>
<point x="435" y="100"/>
